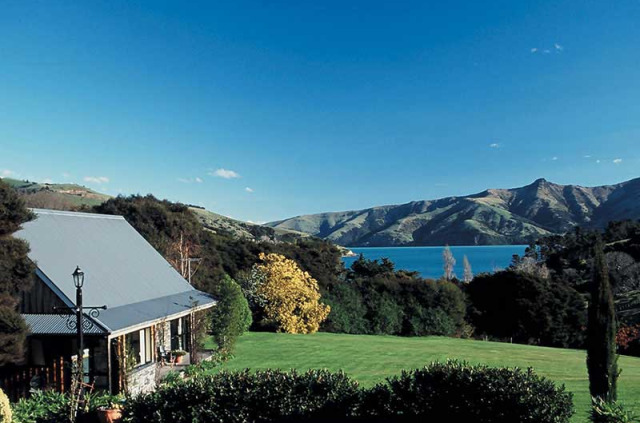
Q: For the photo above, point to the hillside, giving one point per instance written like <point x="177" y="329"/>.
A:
<point x="494" y="216"/>
<point x="74" y="196"/>
<point x="56" y="196"/>
<point x="246" y="230"/>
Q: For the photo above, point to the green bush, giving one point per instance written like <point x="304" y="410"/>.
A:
<point x="454" y="391"/>
<point x="55" y="407"/>
<point x="478" y="394"/>
<point x="270" y="395"/>
<point x="610" y="412"/>
<point x="42" y="407"/>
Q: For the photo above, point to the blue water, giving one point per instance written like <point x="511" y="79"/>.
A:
<point x="428" y="260"/>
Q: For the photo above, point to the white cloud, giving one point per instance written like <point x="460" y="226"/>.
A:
<point x="190" y="180"/>
<point x="598" y="161"/>
<point x="558" y="47"/>
<point x="96" y="179"/>
<point x="587" y="156"/>
<point x="5" y="173"/>
<point x="546" y="51"/>
<point x="47" y="181"/>
<point x="66" y="175"/>
<point x="225" y="173"/>
<point x="534" y="50"/>
<point x="494" y="145"/>
<point x="248" y="189"/>
<point x="617" y="161"/>
<point x="554" y="158"/>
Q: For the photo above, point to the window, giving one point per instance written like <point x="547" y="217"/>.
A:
<point x="141" y="345"/>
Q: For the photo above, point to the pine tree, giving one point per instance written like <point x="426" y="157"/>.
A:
<point x="601" y="333"/>
<point x="16" y="272"/>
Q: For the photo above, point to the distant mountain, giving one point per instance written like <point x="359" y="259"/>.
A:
<point x="494" y="216"/>
<point x="238" y="229"/>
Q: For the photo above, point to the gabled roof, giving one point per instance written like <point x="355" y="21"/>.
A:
<point x="55" y="324"/>
<point x="122" y="270"/>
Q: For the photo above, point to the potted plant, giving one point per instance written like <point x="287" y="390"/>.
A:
<point x="111" y="412"/>
<point x="178" y="355"/>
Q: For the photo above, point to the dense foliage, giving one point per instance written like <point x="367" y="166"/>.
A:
<point x="455" y="391"/>
<point x="16" y="272"/>
<point x="291" y="295"/>
<point x="570" y="261"/>
<point x="525" y="308"/>
<point x="376" y="299"/>
<point x="463" y="392"/>
<point x="269" y="395"/>
<point x="231" y="316"/>
<point x="55" y="407"/>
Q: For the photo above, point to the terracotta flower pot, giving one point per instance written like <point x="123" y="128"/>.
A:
<point x="179" y="359"/>
<point x="110" y="416"/>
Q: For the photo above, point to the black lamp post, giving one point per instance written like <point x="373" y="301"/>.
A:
<point x="78" y="281"/>
<point x="80" y="324"/>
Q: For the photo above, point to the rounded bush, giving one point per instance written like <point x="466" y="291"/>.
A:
<point x="479" y="394"/>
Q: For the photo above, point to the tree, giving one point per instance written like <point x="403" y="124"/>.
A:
<point x="291" y="295"/>
<point x="468" y="273"/>
<point x="231" y="316"/>
<point x="449" y="263"/>
<point x="601" y="333"/>
<point x="527" y="309"/>
<point x="16" y="272"/>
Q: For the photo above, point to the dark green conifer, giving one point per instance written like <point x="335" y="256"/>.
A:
<point x="601" y="333"/>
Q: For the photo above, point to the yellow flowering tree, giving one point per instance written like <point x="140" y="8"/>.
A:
<point x="292" y="297"/>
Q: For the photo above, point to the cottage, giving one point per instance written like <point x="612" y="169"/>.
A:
<point x="150" y="306"/>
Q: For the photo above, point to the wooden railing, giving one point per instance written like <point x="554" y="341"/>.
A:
<point x="18" y="382"/>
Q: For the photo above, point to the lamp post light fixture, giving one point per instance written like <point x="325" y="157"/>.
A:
<point x="78" y="281"/>
<point x="80" y="324"/>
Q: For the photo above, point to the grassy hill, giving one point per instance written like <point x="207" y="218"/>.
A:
<point x="56" y="196"/>
<point x="495" y="216"/>
<point x="370" y="359"/>
<point x="238" y="229"/>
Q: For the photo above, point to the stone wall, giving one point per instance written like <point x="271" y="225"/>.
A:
<point x="143" y="379"/>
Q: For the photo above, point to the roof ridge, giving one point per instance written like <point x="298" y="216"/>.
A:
<point x="77" y="214"/>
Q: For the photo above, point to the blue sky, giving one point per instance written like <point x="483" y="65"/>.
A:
<point x="264" y="110"/>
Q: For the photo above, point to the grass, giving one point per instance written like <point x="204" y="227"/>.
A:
<point x="369" y="359"/>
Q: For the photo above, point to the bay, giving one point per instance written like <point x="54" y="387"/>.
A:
<point x="428" y="260"/>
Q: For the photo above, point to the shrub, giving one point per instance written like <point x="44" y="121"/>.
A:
<point x="5" y="408"/>
<point x="455" y="391"/>
<point x="269" y="395"/>
<point x="55" y="407"/>
<point x="609" y="412"/>
<point x="478" y="394"/>
<point x="42" y="407"/>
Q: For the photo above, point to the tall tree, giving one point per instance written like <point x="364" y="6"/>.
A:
<point x="449" y="263"/>
<point x="601" y="333"/>
<point x="231" y="317"/>
<point x="291" y="295"/>
<point x="16" y="271"/>
<point x="468" y="273"/>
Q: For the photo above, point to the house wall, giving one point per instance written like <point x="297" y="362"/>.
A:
<point x="39" y="299"/>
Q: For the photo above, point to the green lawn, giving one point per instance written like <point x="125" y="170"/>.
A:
<point x="370" y="359"/>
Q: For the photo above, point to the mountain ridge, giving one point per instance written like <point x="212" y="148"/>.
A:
<point x="493" y="216"/>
